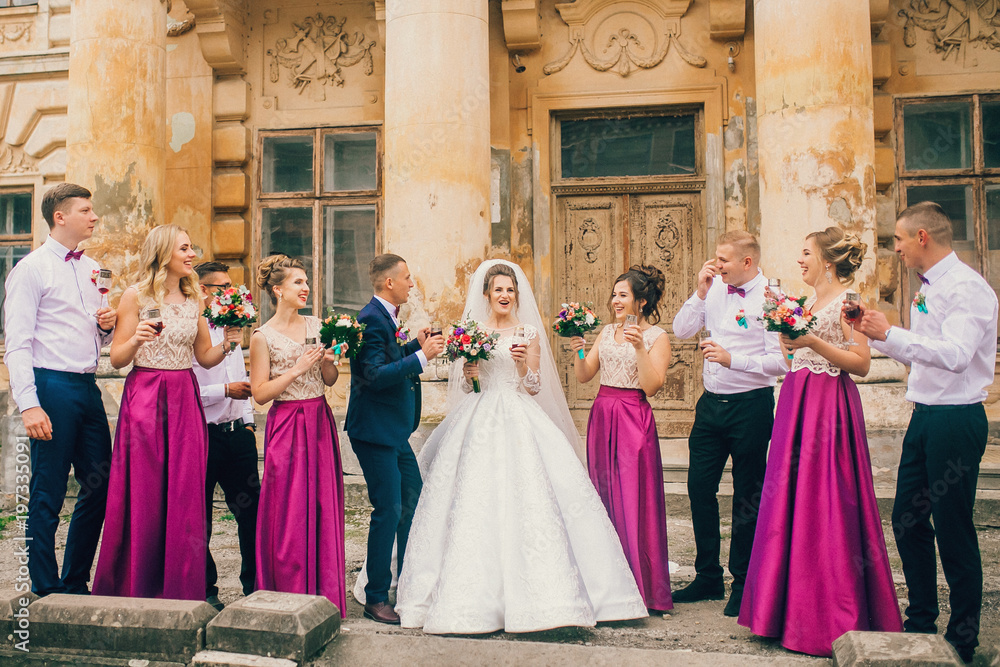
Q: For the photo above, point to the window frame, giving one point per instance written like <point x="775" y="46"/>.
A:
<point x="695" y="180"/>
<point x="14" y="240"/>
<point x="976" y="129"/>
<point x="317" y="199"/>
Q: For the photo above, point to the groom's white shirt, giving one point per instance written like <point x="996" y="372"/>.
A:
<point x="391" y="309"/>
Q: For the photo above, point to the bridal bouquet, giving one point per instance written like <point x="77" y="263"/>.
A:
<point x="467" y="341"/>
<point x="343" y="333"/>
<point x="231" y="307"/>
<point x="575" y="319"/>
<point x="788" y="316"/>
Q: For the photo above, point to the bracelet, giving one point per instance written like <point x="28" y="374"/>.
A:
<point x="225" y="390"/>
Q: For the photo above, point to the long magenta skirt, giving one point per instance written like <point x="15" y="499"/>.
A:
<point x="154" y="534"/>
<point x="819" y="566"/>
<point x="623" y="457"/>
<point x="300" y="523"/>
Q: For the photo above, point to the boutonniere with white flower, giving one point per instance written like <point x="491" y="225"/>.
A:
<point x="93" y="276"/>
<point x="402" y="334"/>
<point x="920" y="301"/>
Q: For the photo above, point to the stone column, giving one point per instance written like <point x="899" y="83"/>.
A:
<point x="117" y="123"/>
<point x="816" y="136"/>
<point x="437" y="146"/>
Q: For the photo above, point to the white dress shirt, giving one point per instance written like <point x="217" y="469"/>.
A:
<point x="50" y="318"/>
<point x="757" y="359"/>
<point x="951" y="349"/>
<point x="212" y="384"/>
<point x="391" y="309"/>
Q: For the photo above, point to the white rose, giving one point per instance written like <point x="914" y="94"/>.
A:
<point x="343" y="323"/>
<point x="590" y="318"/>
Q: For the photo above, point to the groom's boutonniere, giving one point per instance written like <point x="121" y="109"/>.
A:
<point x="741" y="318"/>
<point x="920" y="301"/>
<point x="93" y="276"/>
<point x="402" y="334"/>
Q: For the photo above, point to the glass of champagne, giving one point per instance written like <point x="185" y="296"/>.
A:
<point x="705" y="337"/>
<point x="104" y="285"/>
<point x="852" y="311"/>
<point x="519" y="337"/>
<point x="311" y="342"/>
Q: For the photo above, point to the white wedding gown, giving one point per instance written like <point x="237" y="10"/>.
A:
<point x="509" y="532"/>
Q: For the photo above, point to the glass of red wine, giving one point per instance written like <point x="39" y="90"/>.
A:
<point x="852" y="311"/>
<point x="435" y="329"/>
<point x="153" y="315"/>
<point x="519" y="337"/>
<point x="104" y="285"/>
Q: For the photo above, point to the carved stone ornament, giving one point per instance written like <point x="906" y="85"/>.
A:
<point x="590" y="239"/>
<point x="668" y="235"/>
<point x="12" y="32"/>
<point x="316" y="54"/>
<point x="13" y="160"/>
<point x="622" y="35"/>
<point x="177" y="28"/>
<point x="954" y="25"/>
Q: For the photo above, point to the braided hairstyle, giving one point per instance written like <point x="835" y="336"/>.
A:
<point x="844" y="250"/>
<point x="647" y="284"/>
<point x="273" y="271"/>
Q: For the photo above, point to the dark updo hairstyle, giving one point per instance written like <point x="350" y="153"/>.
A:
<point x="844" y="250"/>
<point x="273" y="271"/>
<point x="500" y="269"/>
<point x="647" y="284"/>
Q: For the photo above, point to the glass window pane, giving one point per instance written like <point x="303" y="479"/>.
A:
<point x="991" y="134"/>
<point x="288" y="164"/>
<point x="348" y="247"/>
<point x="642" y="146"/>
<point x="9" y="256"/>
<point x="287" y="231"/>
<point x="956" y="200"/>
<point x="15" y="213"/>
<point x="349" y="162"/>
<point x="937" y="136"/>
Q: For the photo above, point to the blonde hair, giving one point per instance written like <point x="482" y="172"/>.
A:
<point x="743" y="242"/>
<point x="273" y="271"/>
<point x="157" y="250"/>
<point x="844" y="250"/>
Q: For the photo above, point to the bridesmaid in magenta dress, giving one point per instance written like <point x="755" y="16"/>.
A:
<point x="300" y="524"/>
<point x="623" y="449"/>
<point x="819" y="566"/>
<point x="154" y="534"/>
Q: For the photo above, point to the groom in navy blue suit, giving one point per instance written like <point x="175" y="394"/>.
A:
<point x="383" y="411"/>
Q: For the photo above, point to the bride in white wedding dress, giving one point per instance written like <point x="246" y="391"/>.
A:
<point x="509" y="532"/>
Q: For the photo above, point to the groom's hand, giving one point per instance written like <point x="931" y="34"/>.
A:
<point x="422" y="335"/>
<point x="432" y="346"/>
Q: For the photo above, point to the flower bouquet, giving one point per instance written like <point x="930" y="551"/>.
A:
<point x="467" y="341"/>
<point x="788" y="316"/>
<point x="343" y="333"/>
<point x="575" y="319"/>
<point x="231" y="307"/>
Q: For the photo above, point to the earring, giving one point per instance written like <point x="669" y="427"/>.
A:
<point x="829" y="275"/>
<point x="277" y="294"/>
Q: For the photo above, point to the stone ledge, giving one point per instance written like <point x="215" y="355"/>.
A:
<point x="893" y="649"/>
<point x="94" y="625"/>
<point x="225" y="659"/>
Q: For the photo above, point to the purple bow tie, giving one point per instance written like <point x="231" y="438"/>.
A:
<point x="923" y="279"/>
<point x="73" y="254"/>
<point x="737" y="290"/>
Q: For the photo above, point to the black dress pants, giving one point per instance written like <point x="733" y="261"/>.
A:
<point x="938" y="472"/>
<point x="736" y="425"/>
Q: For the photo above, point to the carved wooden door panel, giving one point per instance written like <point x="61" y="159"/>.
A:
<point x="666" y="230"/>
<point x="592" y="252"/>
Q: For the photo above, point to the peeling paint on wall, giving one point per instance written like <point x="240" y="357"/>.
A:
<point x="182" y="126"/>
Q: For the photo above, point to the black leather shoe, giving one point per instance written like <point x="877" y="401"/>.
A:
<point x="381" y="612"/>
<point x="966" y="653"/>
<point x="699" y="590"/>
<point x="733" y="606"/>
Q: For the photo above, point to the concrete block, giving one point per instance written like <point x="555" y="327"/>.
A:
<point x="14" y="614"/>
<point x="231" y="145"/>
<point x="882" y="63"/>
<point x="229" y="236"/>
<point x="893" y="649"/>
<point x="276" y="625"/>
<point x="224" y="659"/>
<point x="230" y="191"/>
<point x="115" y="627"/>
<point x="885" y="167"/>
<point x="231" y="99"/>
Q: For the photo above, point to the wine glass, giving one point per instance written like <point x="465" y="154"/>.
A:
<point x="519" y="338"/>
<point x="435" y="329"/>
<point x="852" y="311"/>
<point x="705" y="337"/>
<point x="774" y="285"/>
<point x="310" y="342"/>
<point x="104" y="285"/>
<point x="153" y="315"/>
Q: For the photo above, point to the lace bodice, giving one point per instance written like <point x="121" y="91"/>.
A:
<point x="284" y="352"/>
<point x="827" y="328"/>
<point x="618" y="367"/>
<point x="173" y="349"/>
<point x="500" y="371"/>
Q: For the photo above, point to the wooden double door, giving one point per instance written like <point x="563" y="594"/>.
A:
<point x="601" y="236"/>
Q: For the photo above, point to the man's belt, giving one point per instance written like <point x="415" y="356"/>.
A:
<point x="920" y="407"/>
<point x="228" y="427"/>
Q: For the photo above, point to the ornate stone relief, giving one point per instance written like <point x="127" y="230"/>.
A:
<point x="177" y="28"/>
<point x="316" y="54"/>
<point x="623" y="35"/>
<point x="954" y="25"/>
<point x="13" y="160"/>
<point x="12" y="32"/>
<point x="590" y="239"/>
<point x="668" y="235"/>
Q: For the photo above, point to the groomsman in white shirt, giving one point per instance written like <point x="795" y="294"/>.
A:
<point x="54" y="327"/>
<point x="735" y="414"/>
<point x="232" y="445"/>
<point x="951" y="349"/>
